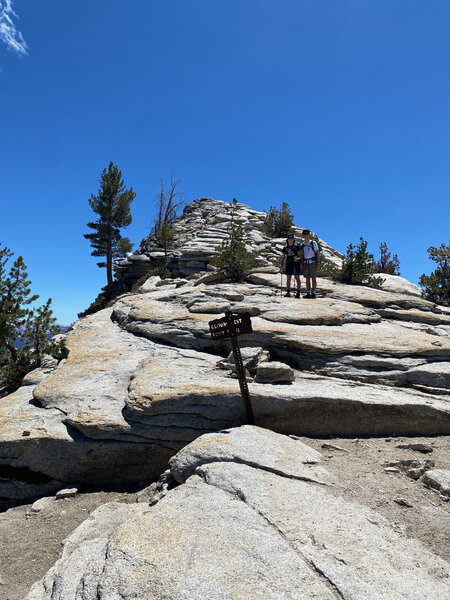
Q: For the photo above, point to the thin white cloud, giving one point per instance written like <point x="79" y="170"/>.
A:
<point x="8" y="32"/>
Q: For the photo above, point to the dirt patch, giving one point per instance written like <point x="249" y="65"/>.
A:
<point x="30" y="543"/>
<point x="414" y="510"/>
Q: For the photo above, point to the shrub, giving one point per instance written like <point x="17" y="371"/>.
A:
<point x="13" y="371"/>
<point x="386" y="264"/>
<point x="357" y="268"/>
<point x="233" y="261"/>
<point x="98" y="304"/>
<point x="437" y="284"/>
<point x="278" y="222"/>
<point x="327" y="268"/>
<point x="164" y="236"/>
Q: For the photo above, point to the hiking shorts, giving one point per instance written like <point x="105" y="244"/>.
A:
<point x="292" y="268"/>
<point x="309" y="269"/>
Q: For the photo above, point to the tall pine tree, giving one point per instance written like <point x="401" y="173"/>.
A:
<point x="112" y="204"/>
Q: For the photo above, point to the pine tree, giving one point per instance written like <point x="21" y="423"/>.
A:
<point x="233" y="261"/>
<point x="112" y="204"/>
<point x="437" y="284"/>
<point x="24" y="332"/>
<point x="14" y="299"/>
<point x="357" y="267"/>
<point x="279" y="222"/>
<point x="386" y="264"/>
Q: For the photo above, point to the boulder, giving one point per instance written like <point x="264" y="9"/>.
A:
<point x="438" y="479"/>
<point x="395" y="283"/>
<point x="252" y="446"/>
<point x="244" y="523"/>
<point x="251" y="358"/>
<point x="149" y="284"/>
<point x="414" y="468"/>
<point x="274" y="372"/>
<point x="66" y="493"/>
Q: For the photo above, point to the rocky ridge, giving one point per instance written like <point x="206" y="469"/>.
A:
<point x="143" y="378"/>
<point x="198" y="232"/>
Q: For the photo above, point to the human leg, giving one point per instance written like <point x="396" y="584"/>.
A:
<point x="314" y="279"/>
<point x="308" y="286"/>
<point x="288" y="285"/>
<point x="297" y="280"/>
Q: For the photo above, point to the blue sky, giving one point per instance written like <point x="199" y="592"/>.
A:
<point x="340" y="109"/>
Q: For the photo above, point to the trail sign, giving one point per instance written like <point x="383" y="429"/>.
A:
<point x="230" y="326"/>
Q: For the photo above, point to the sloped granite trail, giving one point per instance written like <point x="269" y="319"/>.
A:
<point x="241" y="524"/>
<point x="340" y="335"/>
<point x="143" y="378"/>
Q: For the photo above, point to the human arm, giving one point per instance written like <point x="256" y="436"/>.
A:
<point x="315" y="247"/>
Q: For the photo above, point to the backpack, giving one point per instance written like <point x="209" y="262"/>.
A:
<point x="319" y="248"/>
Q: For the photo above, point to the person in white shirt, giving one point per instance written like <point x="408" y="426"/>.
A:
<point x="310" y="252"/>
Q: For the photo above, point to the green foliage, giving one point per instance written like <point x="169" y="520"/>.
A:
<point x="327" y="268"/>
<point x="40" y="323"/>
<point x="437" y="284"/>
<point x="112" y="205"/>
<point x="15" y="297"/>
<point x="357" y="268"/>
<point x="386" y="264"/>
<point x="24" y="332"/>
<point x="13" y="371"/>
<point x="278" y="222"/>
<point x="233" y="261"/>
<point x="98" y="304"/>
<point x="164" y="236"/>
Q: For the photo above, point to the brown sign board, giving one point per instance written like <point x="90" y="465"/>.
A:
<point x="231" y="325"/>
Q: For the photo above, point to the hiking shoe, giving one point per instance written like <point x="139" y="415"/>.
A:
<point x="313" y="295"/>
<point x="298" y="295"/>
<point x="308" y="294"/>
<point x="287" y="294"/>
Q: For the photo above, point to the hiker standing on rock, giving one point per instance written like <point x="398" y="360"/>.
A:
<point x="310" y="252"/>
<point x="292" y="255"/>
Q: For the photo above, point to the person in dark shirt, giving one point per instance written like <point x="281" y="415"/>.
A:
<point x="292" y="256"/>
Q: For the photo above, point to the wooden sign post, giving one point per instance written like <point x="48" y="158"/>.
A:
<point x="229" y="327"/>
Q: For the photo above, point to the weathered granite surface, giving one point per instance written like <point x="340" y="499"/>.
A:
<point x="144" y="378"/>
<point x="198" y="232"/>
<point x="244" y="524"/>
<point x="438" y="479"/>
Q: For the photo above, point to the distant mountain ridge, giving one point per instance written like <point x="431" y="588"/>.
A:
<point x="19" y="343"/>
